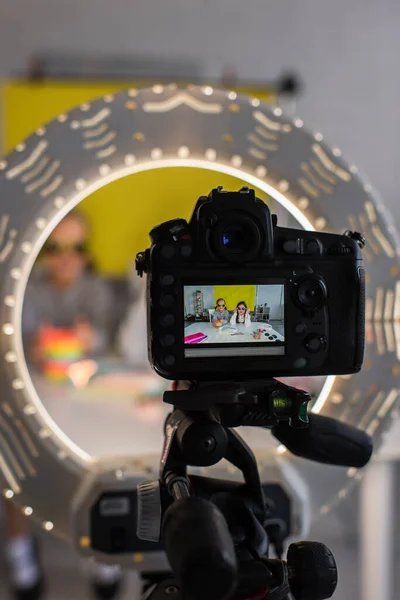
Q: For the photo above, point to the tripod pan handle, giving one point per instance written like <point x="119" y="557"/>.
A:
<point x="200" y="550"/>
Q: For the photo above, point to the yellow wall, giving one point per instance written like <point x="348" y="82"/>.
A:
<point x="122" y="213"/>
<point x="139" y="202"/>
<point x="233" y="294"/>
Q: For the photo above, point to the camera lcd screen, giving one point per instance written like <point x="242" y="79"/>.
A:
<point x="234" y="320"/>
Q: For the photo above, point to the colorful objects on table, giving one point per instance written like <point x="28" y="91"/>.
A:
<point x="257" y="333"/>
<point x="228" y="329"/>
<point x="60" y="348"/>
<point x="81" y="372"/>
<point x="272" y="337"/>
<point x="195" y="338"/>
<point x="219" y="323"/>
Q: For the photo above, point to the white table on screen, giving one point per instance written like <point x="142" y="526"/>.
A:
<point x="215" y="336"/>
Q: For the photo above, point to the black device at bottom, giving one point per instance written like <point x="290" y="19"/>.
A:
<point x="113" y="521"/>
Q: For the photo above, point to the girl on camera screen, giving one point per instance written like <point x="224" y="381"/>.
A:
<point x="241" y="315"/>
<point x="221" y="314"/>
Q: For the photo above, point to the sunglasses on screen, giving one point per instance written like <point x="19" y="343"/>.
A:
<point x="242" y="308"/>
<point x="55" y="249"/>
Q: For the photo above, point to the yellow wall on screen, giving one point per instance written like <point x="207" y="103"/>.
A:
<point x="232" y="294"/>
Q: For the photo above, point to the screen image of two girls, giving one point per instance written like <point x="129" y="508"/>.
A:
<point x="235" y="305"/>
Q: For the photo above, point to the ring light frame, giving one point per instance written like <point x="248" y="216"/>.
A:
<point x="166" y="126"/>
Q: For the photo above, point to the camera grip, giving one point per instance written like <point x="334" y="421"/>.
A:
<point x="328" y="441"/>
<point x="200" y="549"/>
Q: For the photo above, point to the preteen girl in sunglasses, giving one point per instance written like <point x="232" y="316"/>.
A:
<point x="241" y="315"/>
<point x="63" y="292"/>
<point x="221" y="314"/>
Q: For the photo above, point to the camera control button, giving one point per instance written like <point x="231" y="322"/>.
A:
<point x="315" y="342"/>
<point x="167" y="301"/>
<point x="292" y="246"/>
<point x="300" y="362"/>
<point x="186" y="250"/>
<point x="300" y="328"/>
<point x="311" y="293"/>
<point x="169" y="360"/>
<point x="168" y="340"/>
<point x="313" y="247"/>
<point x="167" y="320"/>
<point x="168" y="251"/>
<point x="167" y="279"/>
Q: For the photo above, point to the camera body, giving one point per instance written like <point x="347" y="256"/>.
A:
<point x="299" y="295"/>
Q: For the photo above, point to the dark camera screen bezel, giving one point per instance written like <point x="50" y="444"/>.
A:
<point x="255" y="348"/>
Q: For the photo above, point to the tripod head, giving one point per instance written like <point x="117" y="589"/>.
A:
<point x="215" y="532"/>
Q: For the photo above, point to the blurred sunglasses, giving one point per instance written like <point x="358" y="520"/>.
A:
<point x="221" y="305"/>
<point x="54" y="249"/>
<point x="241" y="308"/>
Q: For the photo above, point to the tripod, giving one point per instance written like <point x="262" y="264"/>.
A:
<point x="215" y="532"/>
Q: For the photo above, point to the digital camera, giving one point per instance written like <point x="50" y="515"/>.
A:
<point x="233" y="296"/>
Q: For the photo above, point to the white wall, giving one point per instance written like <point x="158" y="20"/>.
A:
<point x="273" y="296"/>
<point x="346" y="52"/>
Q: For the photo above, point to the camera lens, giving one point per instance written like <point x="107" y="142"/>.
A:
<point x="311" y="293"/>
<point x="237" y="238"/>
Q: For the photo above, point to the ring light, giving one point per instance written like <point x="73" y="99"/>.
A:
<point x="137" y="130"/>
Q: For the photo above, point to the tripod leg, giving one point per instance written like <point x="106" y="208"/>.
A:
<point x="240" y="455"/>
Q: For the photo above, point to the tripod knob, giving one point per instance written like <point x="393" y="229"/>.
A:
<point x="312" y="571"/>
<point x="203" y="442"/>
<point x="149" y="511"/>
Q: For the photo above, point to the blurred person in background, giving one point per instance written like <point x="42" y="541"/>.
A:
<point x="64" y="293"/>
